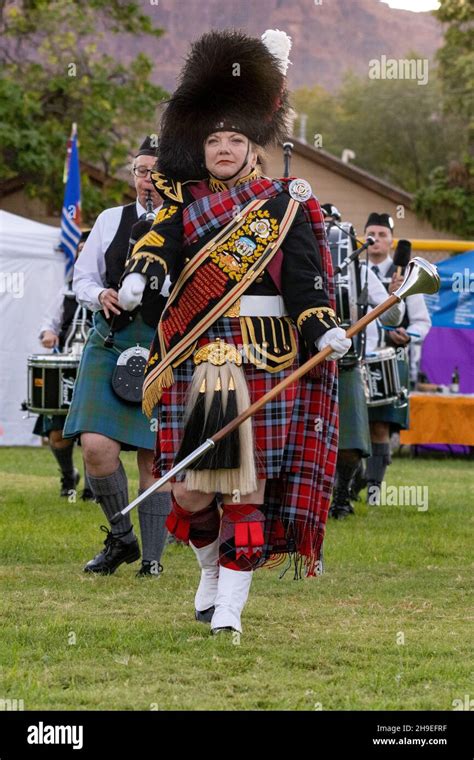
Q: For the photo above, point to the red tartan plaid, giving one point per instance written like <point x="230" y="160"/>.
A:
<point x="271" y="424"/>
<point x="299" y="456"/>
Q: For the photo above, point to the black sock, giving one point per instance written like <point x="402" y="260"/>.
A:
<point x="378" y="462"/>
<point x="63" y="457"/>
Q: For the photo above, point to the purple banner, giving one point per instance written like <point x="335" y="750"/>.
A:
<point x="444" y="349"/>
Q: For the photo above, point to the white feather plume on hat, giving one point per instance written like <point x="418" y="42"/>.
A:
<point x="278" y="43"/>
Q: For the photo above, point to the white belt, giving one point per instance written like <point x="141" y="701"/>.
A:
<point x="258" y="306"/>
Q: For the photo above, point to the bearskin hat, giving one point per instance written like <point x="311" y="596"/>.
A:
<point x="231" y="82"/>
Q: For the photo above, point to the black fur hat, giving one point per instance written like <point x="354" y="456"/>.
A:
<point x="230" y="81"/>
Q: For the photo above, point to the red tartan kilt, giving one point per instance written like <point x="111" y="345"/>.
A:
<point x="270" y="424"/>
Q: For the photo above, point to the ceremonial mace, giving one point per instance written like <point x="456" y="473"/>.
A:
<point x="420" y="277"/>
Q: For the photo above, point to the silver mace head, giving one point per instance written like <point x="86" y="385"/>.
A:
<point x="420" y="277"/>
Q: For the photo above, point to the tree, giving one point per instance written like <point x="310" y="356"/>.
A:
<point x="323" y="112"/>
<point x="456" y="61"/>
<point x="397" y="128"/>
<point x="54" y="74"/>
<point x="448" y="198"/>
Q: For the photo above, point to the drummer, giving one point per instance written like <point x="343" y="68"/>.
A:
<point x="390" y="418"/>
<point x="354" y="435"/>
<point x="102" y="411"/>
<point x="54" y="333"/>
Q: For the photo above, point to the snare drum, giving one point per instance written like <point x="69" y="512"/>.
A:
<point x="382" y="381"/>
<point x="347" y="289"/>
<point x="51" y="379"/>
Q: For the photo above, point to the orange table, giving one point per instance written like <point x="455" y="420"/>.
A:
<point x="440" y="418"/>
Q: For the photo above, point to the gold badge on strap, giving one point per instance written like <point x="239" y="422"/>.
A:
<point x="300" y="190"/>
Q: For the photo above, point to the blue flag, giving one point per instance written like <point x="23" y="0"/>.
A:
<point x="71" y="212"/>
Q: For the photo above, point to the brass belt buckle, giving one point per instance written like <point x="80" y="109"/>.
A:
<point x="218" y="352"/>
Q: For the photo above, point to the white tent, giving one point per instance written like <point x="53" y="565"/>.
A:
<point x="31" y="274"/>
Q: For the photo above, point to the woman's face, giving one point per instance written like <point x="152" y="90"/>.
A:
<point x="225" y="152"/>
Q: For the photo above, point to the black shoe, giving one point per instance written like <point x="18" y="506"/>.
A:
<point x="340" y="511"/>
<point x="115" y="553"/>
<point x="69" y="482"/>
<point x="205" y="616"/>
<point x="149" y="569"/>
<point x="87" y="495"/>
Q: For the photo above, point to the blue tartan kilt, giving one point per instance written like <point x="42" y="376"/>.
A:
<point x="398" y="417"/>
<point x="354" y="432"/>
<point x="95" y="408"/>
<point x="46" y="423"/>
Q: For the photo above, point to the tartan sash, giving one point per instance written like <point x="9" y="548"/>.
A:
<point x="216" y="276"/>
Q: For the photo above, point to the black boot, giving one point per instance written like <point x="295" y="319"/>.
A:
<point x="341" y="505"/>
<point x="114" y="554"/>
<point x="69" y="482"/>
<point x="358" y="482"/>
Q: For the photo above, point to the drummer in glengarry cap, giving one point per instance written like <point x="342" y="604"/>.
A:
<point x="389" y="418"/>
<point x="54" y="334"/>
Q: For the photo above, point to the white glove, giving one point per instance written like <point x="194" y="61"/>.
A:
<point x="336" y="338"/>
<point x="130" y="294"/>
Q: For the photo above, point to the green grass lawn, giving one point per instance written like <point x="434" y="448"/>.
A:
<point x="386" y="627"/>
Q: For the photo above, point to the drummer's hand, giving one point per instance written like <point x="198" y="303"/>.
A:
<point x="131" y="292"/>
<point x="336" y="338"/>
<point x="399" y="336"/>
<point x="49" y="339"/>
<point x="108" y="299"/>
<point x="397" y="280"/>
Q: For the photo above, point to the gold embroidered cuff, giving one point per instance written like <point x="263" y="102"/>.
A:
<point x="319" y="312"/>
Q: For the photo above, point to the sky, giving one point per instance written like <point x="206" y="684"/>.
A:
<point x="413" y="5"/>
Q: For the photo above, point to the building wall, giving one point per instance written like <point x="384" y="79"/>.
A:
<point x="355" y="201"/>
<point x="33" y="208"/>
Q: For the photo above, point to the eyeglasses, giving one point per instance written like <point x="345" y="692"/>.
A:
<point x="142" y="171"/>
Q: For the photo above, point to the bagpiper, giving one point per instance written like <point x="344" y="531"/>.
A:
<point x="105" y="410"/>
